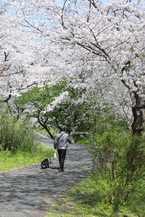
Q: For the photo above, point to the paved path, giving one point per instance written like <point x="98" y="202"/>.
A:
<point x="31" y="191"/>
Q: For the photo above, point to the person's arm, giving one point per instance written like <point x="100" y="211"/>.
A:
<point x="68" y="139"/>
<point x="55" y="142"/>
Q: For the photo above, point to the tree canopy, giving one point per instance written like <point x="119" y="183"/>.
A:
<point x="89" y="42"/>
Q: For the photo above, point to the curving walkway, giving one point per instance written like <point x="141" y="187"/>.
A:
<point x="31" y="191"/>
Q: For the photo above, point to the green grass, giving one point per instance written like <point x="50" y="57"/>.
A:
<point x="83" y="141"/>
<point x="41" y="130"/>
<point x="85" y="200"/>
<point x="9" y="161"/>
<point x="44" y="132"/>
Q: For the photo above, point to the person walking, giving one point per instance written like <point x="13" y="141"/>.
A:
<point x="61" y="142"/>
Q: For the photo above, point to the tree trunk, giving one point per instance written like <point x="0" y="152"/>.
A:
<point x="138" y="117"/>
<point x="44" y="125"/>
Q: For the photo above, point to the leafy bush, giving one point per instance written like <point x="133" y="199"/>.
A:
<point x="119" y="158"/>
<point x="87" y="199"/>
<point x="15" y="135"/>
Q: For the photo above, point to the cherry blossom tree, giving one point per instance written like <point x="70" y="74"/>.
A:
<point x="114" y="34"/>
<point x="20" y="69"/>
<point x="108" y="37"/>
<point x="99" y="48"/>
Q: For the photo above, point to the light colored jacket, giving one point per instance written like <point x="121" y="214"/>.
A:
<point x="62" y="140"/>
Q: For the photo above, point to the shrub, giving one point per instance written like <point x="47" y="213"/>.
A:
<point x="119" y="159"/>
<point x="15" y="135"/>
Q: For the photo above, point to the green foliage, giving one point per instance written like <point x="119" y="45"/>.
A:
<point x="40" y="97"/>
<point x="119" y="158"/>
<point x="87" y="199"/>
<point x="15" y="135"/>
<point x="73" y="113"/>
<point x="137" y="201"/>
<point x="37" y="100"/>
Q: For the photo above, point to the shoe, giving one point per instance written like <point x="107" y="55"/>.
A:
<point x="60" y="170"/>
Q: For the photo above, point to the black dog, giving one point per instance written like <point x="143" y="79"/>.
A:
<point x="45" y="163"/>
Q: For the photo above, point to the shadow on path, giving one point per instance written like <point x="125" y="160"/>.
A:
<point x="31" y="191"/>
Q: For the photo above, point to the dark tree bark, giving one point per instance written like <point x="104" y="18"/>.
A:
<point x="44" y="125"/>
<point x="138" y="119"/>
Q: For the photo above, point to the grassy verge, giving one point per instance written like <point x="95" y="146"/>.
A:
<point x="9" y="161"/>
<point x="85" y="200"/>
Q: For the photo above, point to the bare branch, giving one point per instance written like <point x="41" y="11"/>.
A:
<point x="6" y="56"/>
<point x="34" y="27"/>
<point x="126" y="84"/>
<point x="89" y="11"/>
<point x="27" y="86"/>
<point x="8" y="98"/>
<point x="62" y="14"/>
<point x="94" y="4"/>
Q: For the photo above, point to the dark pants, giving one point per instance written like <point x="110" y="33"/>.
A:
<point x="61" y="154"/>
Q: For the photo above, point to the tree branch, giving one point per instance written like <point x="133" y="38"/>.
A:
<point x="62" y="14"/>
